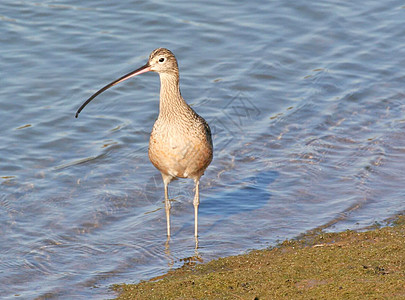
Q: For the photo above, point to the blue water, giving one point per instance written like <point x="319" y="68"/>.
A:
<point x="306" y="102"/>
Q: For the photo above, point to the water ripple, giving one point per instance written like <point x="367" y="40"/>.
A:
<point x="305" y="102"/>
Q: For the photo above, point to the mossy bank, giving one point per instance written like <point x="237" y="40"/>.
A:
<point x="346" y="265"/>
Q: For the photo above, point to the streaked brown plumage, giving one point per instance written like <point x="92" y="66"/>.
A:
<point x="180" y="144"/>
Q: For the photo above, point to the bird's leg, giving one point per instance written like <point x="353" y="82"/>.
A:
<point x="196" y="202"/>
<point x="167" y="204"/>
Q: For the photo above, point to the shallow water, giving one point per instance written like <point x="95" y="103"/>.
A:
<point x="305" y="100"/>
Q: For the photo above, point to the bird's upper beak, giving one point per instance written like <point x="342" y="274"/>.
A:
<point x="143" y="69"/>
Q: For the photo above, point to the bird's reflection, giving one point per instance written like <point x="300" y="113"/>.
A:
<point x="187" y="261"/>
<point x="170" y="259"/>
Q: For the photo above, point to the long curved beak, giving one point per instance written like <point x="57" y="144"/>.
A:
<point x="143" y="69"/>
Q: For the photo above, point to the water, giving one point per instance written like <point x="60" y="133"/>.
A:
<point x="306" y="102"/>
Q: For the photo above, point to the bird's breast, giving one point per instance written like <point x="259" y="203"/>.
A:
<point x="179" y="150"/>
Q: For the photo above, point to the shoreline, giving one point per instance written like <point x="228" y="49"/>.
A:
<point x="317" y="265"/>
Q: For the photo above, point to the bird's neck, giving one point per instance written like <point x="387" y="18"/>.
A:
<point x="171" y="101"/>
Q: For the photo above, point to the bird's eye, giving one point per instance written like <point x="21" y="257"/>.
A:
<point x="162" y="59"/>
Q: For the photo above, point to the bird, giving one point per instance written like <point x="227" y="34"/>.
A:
<point x="180" y="144"/>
